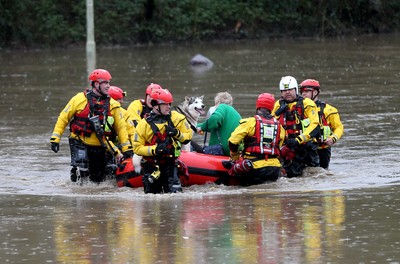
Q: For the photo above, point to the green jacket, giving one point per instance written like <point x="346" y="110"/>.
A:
<point x="224" y="120"/>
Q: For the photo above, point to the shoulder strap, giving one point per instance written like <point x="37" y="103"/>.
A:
<point x="321" y="109"/>
<point x="179" y="110"/>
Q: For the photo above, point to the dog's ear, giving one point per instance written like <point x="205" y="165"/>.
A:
<point x="202" y="97"/>
<point x="188" y="98"/>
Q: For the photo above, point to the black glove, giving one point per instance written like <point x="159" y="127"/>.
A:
<point x="162" y="149"/>
<point x="171" y="131"/>
<point x="55" y="146"/>
<point x="292" y="143"/>
<point x="281" y="109"/>
<point x="128" y="154"/>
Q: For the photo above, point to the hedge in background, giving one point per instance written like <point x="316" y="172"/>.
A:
<point x="59" y="23"/>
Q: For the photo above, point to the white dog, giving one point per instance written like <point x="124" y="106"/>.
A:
<point x="192" y="108"/>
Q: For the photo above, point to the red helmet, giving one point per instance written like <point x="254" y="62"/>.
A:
<point x="151" y="87"/>
<point x="116" y="93"/>
<point x="100" y="74"/>
<point x="309" y="84"/>
<point x="265" y="100"/>
<point x="161" y="96"/>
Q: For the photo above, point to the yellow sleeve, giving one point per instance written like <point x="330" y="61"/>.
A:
<point x="115" y="150"/>
<point x="246" y="128"/>
<point x="333" y="118"/>
<point x="276" y="106"/>
<point x="75" y="105"/>
<point x="120" y="125"/>
<point x="129" y="124"/>
<point x="129" y="127"/>
<point x="282" y="136"/>
<point x="134" y="111"/>
<point x="310" y="112"/>
<point x="143" y="135"/>
<point x="180" y="122"/>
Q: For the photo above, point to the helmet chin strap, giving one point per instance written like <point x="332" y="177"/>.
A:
<point x="157" y="109"/>
<point x="313" y="98"/>
<point x="98" y="89"/>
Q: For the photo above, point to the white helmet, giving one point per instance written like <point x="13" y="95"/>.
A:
<point x="287" y="83"/>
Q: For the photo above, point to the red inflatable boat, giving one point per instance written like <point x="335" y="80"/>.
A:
<point x="202" y="168"/>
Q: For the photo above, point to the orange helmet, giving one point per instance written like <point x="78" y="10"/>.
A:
<point x="116" y="93"/>
<point x="161" y="96"/>
<point x="265" y="100"/>
<point x="151" y="87"/>
<point x="100" y="75"/>
<point x="309" y="84"/>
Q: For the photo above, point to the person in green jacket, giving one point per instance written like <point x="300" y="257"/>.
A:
<point x="222" y="122"/>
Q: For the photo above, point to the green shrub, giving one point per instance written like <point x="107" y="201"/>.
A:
<point x="123" y="22"/>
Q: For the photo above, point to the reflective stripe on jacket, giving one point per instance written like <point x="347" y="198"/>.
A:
<point x="247" y="128"/>
<point x="75" y="106"/>
<point x="265" y="140"/>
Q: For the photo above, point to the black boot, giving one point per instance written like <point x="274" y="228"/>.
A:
<point x="73" y="175"/>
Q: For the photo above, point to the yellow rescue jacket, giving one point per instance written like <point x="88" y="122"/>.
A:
<point x="76" y="105"/>
<point x="309" y="116"/>
<point x="143" y="136"/>
<point x="330" y="118"/>
<point x="245" y="129"/>
<point x="137" y="110"/>
<point x="129" y="128"/>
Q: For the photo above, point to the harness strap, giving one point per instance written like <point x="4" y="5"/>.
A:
<point x="105" y="107"/>
<point x="321" y="112"/>
<point x="179" y="110"/>
<point x="296" y="115"/>
<point x="258" y="156"/>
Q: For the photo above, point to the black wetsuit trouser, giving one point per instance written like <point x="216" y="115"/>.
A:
<point x="261" y="175"/>
<point x="306" y="156"/>
<point x="168" y="181"/>
<point x="324" y="157"/>
<point x="90" y="160"/>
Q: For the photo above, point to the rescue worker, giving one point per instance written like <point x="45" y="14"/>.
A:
<point x="158" y="138"/>
<point x="118" y="95"/>
<point x="329" y="119"/>
<point x="87" y="114"/>
<point x="299" y="117"/>
<point x="141" y="108"/>
<point x="262" y="136"/>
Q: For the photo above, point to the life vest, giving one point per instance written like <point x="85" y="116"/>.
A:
<point x="293" y="120"/>
<point x="325" y="128"/>
<point x="159" y="137"/>
<point x="95" y="106"/>
<point x="265" y="142"/>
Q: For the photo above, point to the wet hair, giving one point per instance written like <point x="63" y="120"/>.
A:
<point x="264" y="112"/>
<point x="223" y="98"/>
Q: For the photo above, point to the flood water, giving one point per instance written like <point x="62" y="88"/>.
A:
<point x="347" y="214"/>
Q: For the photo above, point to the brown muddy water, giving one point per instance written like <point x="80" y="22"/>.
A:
<point x="348" y="214"/>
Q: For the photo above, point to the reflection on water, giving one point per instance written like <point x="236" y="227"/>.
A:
<point x="314" y="227"/>
<point x="324" y="217"/>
